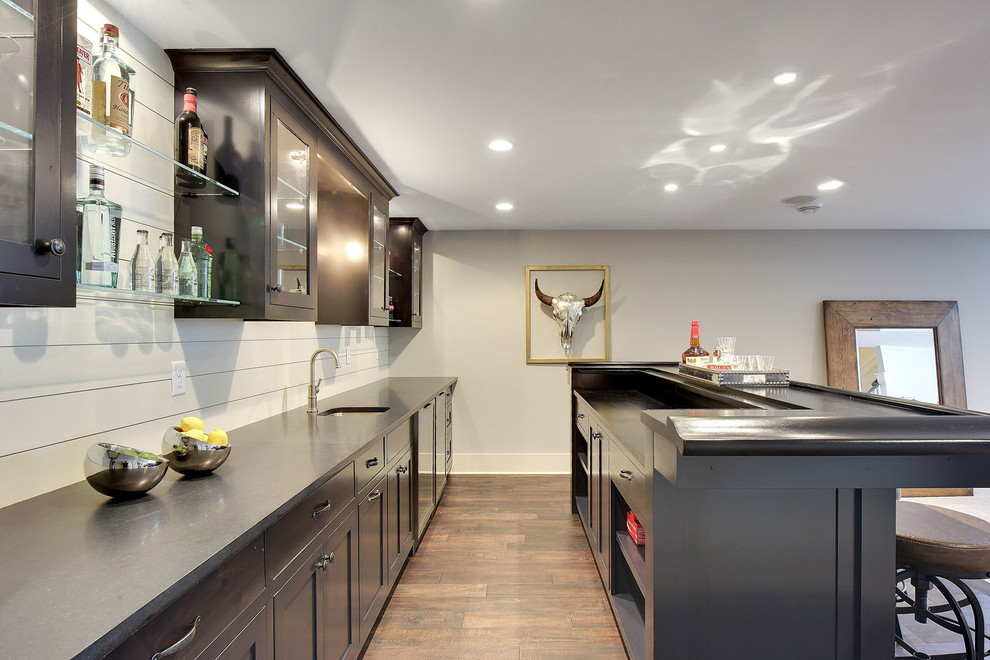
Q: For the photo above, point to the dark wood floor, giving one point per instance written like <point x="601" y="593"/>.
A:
<point x="504" y="571"/>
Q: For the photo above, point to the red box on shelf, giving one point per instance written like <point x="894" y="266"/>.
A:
<point x="636" y="531"/>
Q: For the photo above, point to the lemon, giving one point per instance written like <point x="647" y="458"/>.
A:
<point x="188" y="423"/>
<point x="218" y="437"/>
<point x="195" y="434"/>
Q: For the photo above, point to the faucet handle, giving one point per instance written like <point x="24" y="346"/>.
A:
<point x="316" y="388"/>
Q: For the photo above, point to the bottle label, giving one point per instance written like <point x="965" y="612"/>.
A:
<point x="99" y="101"/>
<point x="120" y="105"/>
<point x="696" y="360"/>
<point x="84" y="78"/>
<point x="194" y="151"/>
<point x="102" y="266"/>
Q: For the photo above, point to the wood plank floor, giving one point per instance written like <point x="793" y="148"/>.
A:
<point x="504" y="571"/>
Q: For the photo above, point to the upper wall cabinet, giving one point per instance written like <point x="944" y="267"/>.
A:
<point x="405" y="237"/>
<point x="37" y="153"/>
<point x="271" y="140"/>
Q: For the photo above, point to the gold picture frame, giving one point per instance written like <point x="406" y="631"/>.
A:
<point x="592" y="336"/>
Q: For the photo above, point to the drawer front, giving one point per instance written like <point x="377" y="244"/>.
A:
<point x="370" y="464"/>
<point x="202" y="613"/>
<point x="582" y="417"/>
<point x="293" y="531"/>
<point x="398" y="441"/>
<point x="627" y="476"/>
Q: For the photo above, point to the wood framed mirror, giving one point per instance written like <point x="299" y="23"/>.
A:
<point x="848" y="344"/>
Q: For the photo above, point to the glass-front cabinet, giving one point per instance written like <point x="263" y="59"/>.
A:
<point x="405" y="244"/>
<point x="293" y="209"/>
<point x="37" y="175"/>
<point x="379" y="304"/>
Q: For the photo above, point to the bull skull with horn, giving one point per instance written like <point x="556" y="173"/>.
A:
<point x="567" y="309"/>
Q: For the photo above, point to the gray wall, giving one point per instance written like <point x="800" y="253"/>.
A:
<point x="766" y="288"/>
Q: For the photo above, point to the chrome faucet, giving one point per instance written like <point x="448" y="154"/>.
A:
<point x="314" y="387"/>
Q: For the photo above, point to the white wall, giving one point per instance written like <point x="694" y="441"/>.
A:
<point x="766" y="288"/>
<point x="101" y="371"/>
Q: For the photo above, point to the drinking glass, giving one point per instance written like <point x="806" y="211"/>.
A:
<point x="725" y="348"/>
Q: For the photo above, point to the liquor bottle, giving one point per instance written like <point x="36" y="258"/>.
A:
<point x="209" y="272"/>
<point x="84" y="74"/>
<point x="142" y="265"/>
<point x="187" y="270"/>
<point x="166" y="266"/>
<point x="695" y="355"/>
<point x="98" y="228"/>
<point x="190" y="142"/>
<point x="202" y="260"/>
<point x="113" y="96"/>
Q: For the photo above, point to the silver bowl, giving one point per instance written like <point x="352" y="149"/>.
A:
<point x="118" y="471"/>
<point x="191" y="456"/>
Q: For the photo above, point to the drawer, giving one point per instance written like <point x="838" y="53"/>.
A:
<point x="582" y="417"/>
<point x="293" y="531"/>
<point x="629" y="479"/>
<point x="203" y="612"/>
<point x="398" y="441"/>
<point x="370" y="463"/>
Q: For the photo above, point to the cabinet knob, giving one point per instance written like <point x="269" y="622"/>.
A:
<point x="325" y="561"/>
<point x="56" y="246"/>
<point x="402" y="469"/>
<point x="179" y="645"/>
<point x="277" y="288"/>
<point x="595" y="435"/>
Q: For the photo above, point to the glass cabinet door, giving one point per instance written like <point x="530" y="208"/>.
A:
<point x="37" y="265"/>
<point x="293" y="211"/>
<point x="417" y="274"/>
<point x="378" y="307"/>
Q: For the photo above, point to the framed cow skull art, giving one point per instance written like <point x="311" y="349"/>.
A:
<point x="567" y="314"/>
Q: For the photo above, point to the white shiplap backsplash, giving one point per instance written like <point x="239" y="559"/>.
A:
<point x="101" y="371"/>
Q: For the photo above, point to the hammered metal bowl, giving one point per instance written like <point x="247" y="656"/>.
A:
<point x="117" y="471"/>
<point x="190" y="456"/>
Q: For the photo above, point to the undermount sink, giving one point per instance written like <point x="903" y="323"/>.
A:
<point x="347" y="411"/>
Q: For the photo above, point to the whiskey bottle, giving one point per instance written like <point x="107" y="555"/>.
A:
<point x="695" y="355"/>
<point x="190" y="142"/>
<point x="97" y="231"/>
<point x="113" y="97"/>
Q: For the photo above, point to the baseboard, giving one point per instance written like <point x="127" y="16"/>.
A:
<point x="511" y="463"/>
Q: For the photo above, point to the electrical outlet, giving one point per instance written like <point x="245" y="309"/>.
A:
<point x="178" y="378"/>
<point x="347" y="355"/>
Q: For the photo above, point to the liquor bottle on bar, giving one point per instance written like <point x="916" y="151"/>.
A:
<point x="113" y="97"/>
<point x="202" y="260"/>
<point x="190" y="142"/>
<point x="167" y="266"/>
<point x="143" y="276"/>
<point x="695" y="355"/>
<point x="97" y="233"/>
<point x="187" y="270"/>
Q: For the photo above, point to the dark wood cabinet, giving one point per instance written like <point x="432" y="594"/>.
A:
<point x="425" y="474"/>
<point x="406" y="273"/>
<point x="264" y="145"/>
<point x="251" y="636"/>
<point x="315" y="611"/>
<point x="372" y="571"/>
<point x="401" y="514"/>
<point x="37" y="163"/>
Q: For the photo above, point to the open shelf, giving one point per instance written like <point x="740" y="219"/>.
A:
<point x="632" y="621"/>
<point x="583" y="459"/>
<point x="110" y="293"/>
<point x="142" y="162"/>
<point x="583" y="508"/>
<point x="635" y="556"/>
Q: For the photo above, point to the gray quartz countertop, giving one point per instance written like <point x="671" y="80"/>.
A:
<point x="80" y="572"/>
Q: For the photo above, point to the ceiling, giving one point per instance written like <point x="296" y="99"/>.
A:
<point x="608" y="102"/>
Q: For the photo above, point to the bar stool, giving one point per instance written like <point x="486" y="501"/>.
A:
<point x="934" y="546"/>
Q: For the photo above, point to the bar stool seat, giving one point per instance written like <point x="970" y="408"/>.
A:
<point x="937" y="545"/>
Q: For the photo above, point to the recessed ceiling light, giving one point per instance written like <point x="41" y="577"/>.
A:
<point x="504" y="206"/>
<point x="670" y="187"/>
<point x="831" y="185"/>
<point x="500" y="145"/>
<point x="784" y="78"/>
<point x="717" y="147"/>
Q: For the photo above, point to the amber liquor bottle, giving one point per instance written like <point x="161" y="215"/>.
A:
<point x="190" y="142"/>
<point x="695" y="355"/>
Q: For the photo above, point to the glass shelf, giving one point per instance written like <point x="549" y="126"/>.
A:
<point x="142" y="163"/>
<point x="284" y="241"/>
<point x="19" y="10"/>
<point x="148" y="296"/>
<point x="14" y="139"/>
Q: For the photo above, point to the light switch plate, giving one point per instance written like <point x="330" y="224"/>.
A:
<point x="178" y="378"/>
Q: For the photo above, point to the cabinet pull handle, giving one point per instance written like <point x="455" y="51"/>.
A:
<point x="580" y="415"/>
<point x="277" y="288"/>
<point x="595" y="435"/>
<point x="626" y="474"/>
<point x="371" y="462"/>
<point x="179" y="645"/>
<point x="374" y="495"/>
<point x="323" y="509"/>
<point x="402" y="469"/>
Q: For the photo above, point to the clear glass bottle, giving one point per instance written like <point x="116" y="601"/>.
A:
<point x="97" y="232"/>
<point x="695" y="355"/>
<point x="187" y="270"/>
<point x="167" y="266"/>
<point x="112" y="96"/>
<point x="143" y="265"/>
<point x="202" y="259"/>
